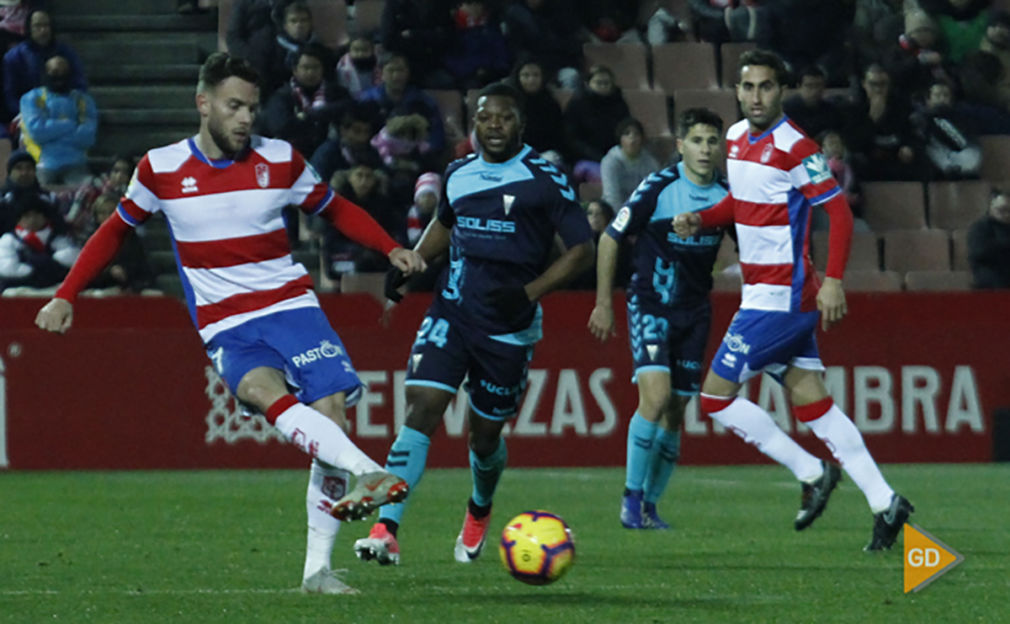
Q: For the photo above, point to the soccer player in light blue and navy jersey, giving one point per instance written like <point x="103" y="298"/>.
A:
<point x="668" y="306"/>
<point x="500" y="213"/>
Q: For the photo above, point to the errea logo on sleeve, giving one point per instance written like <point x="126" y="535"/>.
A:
<point x="817" y="168"/>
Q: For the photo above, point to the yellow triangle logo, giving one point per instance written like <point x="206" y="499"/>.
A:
<point x="926" y="558"/>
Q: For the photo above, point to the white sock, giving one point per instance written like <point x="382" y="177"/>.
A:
<point x="846" y="443"/>
<point x="756" y="427"/>
<point x="320" y="437"/>
<point x="326" y="485"/>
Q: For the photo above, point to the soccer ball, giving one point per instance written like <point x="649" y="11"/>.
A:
<point x="537" y="547"/>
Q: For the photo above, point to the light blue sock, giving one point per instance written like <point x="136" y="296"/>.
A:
<point x="486" y="472"/>
<point x="640" y="435"/>
<point x="407" y="458"/>
<point x="664" y="458"/>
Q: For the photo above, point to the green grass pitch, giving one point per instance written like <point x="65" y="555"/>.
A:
<point x="227" y="546"/>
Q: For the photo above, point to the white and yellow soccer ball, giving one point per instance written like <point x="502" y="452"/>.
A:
<point x="537" y="547"/>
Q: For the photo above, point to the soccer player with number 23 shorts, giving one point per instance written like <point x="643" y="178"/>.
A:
<point x="222" y="193"/>
<point x="777" y="176"/>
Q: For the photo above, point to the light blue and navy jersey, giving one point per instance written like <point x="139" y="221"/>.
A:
<point x="669" y="270"/>
<point x="503" y="217"/>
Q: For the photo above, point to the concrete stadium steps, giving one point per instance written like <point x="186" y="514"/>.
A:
<point x="150" y="73"/>
<point x="144" y="96"/>
<point x="140" y="48"/>
<point x="93" y="22"/>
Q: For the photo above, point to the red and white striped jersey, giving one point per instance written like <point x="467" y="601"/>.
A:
<point x="775" y="180"/>
<point x="225" y="220"/>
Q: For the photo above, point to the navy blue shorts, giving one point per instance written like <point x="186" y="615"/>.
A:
<point x="447" y="351"/>
<point x="669" y="340"/>
<point x="299" y="342"/>
<point x="758" y="340"/>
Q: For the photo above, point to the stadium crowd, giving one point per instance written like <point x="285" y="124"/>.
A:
<point x="910" y="101"/>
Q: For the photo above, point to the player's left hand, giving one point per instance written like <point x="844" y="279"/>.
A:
<point x="407" y="260"/>
<point x="601" y="323"/>
<point x="831" y="302"/>
<point x="510" y="301"/>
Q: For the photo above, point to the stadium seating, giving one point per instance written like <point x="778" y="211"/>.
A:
<point x="872" y="281"/>
<point x="938" y="280"/>
<point x="722" y="101"/>
<point x="995" y="156"/>
<point x="684" y="65"/>
<point x="223" y="13"/>
<point x="650" y="108"/>
<point x="894" y="205"/>
<point x="5" y="153"/>
<point x="863" y="256"/>
<point x="954" y="205"/>
<point x="959" y="249"/>
<point x="628" y="61"/>
<point x="916" y="250"/>
<point x="729" y="62"/>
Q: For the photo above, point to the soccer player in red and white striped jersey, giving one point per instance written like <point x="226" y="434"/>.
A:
<point x="777" y="177"/>
<point x="222" y="192"/>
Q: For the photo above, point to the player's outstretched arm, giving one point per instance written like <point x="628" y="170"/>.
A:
<point x="407" y="260"/>
<point x="831" y="302"/>
<point x="434" y="240"/>
<point x="601" y="319"/>
<point x="55" y="316"/>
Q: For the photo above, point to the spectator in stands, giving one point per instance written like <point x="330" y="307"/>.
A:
<point x="252" y="28"/>
<point x="419" y="30"/>
<point x="427" y="193"/>
<point x="302" y="110"/>
<point x="665" y="27"/>
<point x="948" y="135"/>
<point x="914" y="60"/>
<point x="129" y="271"/>
<point x="59" y="124"/>
<point x="364" y="185"/>
<point x="611" y="21"/>
<point x="397" y="94"/>
<point x="23" y="65"/>
<point x="599" y="213"/>
<point x="810" y="32"/>
<point x="22" y="181"/>
<point x="13" y="14"/>
<point x="358" y="69"/>
<point x="961" y="23"/>
<point x="840" y="163"/>
<point x="719" y="21"/>
<point x="357" y="126"/>
<point x="985" y="73"/>
<point x="405" y="151"/>
<point x="626" y="164"/>
<point x="477" y="53"/>
<point x="544" y="130"/>
<point x="295" y="32"/>
<point x="591" y="120"/>
<point x="547" y="30"/>
<point x="809" y="108"/>
<point x="876" y="25"/>
<point x="80" y="216"/>
<point x="989" y="243"/>
<point x="879" y="132"/>
<point x="35" y="253"/>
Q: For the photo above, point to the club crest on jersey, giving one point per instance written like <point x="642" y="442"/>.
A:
<point x="263" y="175"/>
<point x="189" y="185"/>
<point x="766" y="153"/>
<point x="507" y="201"/>
<point x="734" y="151"/>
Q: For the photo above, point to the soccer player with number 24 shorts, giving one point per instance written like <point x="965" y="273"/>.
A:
<point x="777" y="176"/>
<point x="222" y="192"/>
<point x="669" y="312"/>
<point x="498" y="217"/>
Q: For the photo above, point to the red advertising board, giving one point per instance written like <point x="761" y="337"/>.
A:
<point x="130" y="387"/>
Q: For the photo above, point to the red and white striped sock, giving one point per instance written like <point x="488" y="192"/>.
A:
<point x="318" y="436"/>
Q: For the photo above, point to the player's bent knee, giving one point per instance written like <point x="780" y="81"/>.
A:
<point x="261" y="387"/>
<point x="425" y="407"/>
